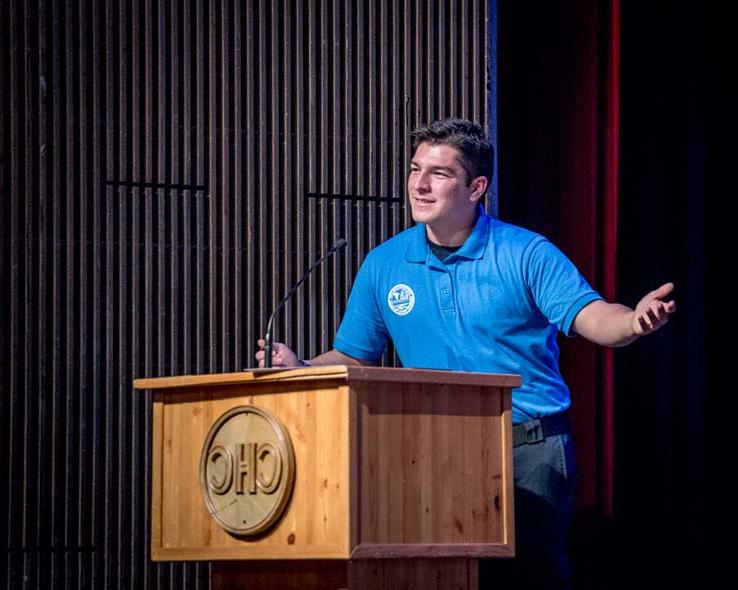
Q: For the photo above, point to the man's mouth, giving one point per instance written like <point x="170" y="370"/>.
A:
<point x="423" y="201"/>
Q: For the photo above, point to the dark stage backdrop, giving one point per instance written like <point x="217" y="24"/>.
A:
<point x="558" y="126"/>
<point x="169" y="169"/>
<point x="675" y="164"/>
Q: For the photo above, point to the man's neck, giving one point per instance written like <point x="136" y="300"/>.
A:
<point x="448" y="238"/>
<point x="442" y="252"/>
<point x="451" y="236"/>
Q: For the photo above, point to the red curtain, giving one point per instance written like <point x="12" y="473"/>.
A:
<point x="588" y="228"/>
<point x="558" y="152"/>
<point x="589" y="179"/>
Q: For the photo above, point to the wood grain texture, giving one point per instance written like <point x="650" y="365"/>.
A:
<point x="315" y="523"/>
<point x="423" y="574"/>
<point x="430" y="550"/>
<point x="248" y="377"/>
<point x="436" y="377"/>
<point x="156" y="473"/>
<point x="314" y="574"/>
<point x="390" y="463"/>
<point x="354" y="373"/>
<point x="432" y="470"/>
<point x="369" y="574"/>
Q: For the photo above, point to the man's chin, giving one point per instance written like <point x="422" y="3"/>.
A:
<point x="419" y="216"/>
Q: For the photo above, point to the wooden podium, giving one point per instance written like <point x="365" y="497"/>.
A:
<point x="402" y="478"/>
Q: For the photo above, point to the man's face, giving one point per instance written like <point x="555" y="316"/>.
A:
<point x="438" y="188"/>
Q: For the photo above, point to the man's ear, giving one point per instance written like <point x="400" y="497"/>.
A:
<point x="479" y="186"/>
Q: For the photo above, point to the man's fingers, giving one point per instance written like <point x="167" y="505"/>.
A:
<point x="666" y="308"/>
<point x="282" y="355"/>
<point x="662" y="291"/>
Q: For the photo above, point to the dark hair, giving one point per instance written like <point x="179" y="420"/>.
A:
<point x="476" y="151"/>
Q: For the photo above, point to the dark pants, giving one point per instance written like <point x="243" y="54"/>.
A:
<point x="544" y="492"/>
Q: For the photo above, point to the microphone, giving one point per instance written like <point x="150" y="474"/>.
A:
<point x="340" y="244"/>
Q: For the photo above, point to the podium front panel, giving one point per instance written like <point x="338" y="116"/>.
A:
<point x="315" y="523"/>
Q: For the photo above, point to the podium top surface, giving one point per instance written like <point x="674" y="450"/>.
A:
<point x="338" y="372"/>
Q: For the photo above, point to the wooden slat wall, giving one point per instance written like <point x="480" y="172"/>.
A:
<point x="168" y="170"/>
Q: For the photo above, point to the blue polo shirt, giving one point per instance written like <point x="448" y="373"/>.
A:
<point x="496" y="305"/>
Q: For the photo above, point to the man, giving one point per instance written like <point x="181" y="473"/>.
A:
<point x="463" y="291"/>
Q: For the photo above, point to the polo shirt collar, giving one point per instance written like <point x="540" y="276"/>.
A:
<point x="472" y="249"/>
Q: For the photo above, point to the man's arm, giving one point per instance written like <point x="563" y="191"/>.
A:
<point x="612" y="324"/>
<point x="282" y="356"/>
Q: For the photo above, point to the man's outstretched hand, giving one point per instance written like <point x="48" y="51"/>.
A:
<point x="652" y="312"/>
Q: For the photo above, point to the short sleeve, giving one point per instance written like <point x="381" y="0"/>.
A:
<point x="556" y="285"/>
<point x="362" y="333"/>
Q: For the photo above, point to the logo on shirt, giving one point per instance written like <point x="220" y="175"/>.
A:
<point x="401" y="299"/>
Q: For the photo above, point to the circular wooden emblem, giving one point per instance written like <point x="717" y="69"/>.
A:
<point x="247" y="468"/>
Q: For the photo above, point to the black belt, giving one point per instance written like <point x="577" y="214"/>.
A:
<point x="534" y="431"/>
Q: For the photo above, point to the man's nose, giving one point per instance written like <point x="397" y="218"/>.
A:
<point x="420" y="182"/>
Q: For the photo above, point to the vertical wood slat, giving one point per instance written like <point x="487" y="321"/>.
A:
<point x="287" y="95"/>
<point x="94" y="378"/>
<point x="249" y="274"/>
<point x="235" y="25"/>
<point x="40" y="224"/>
<point x="80" y="317"/>
<point x="174" y="168"/>
<point x="71" y="424"/>
<point x="9" y="271"/>
<point x="146" y="249"/>
<point x="200" y="342"/>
